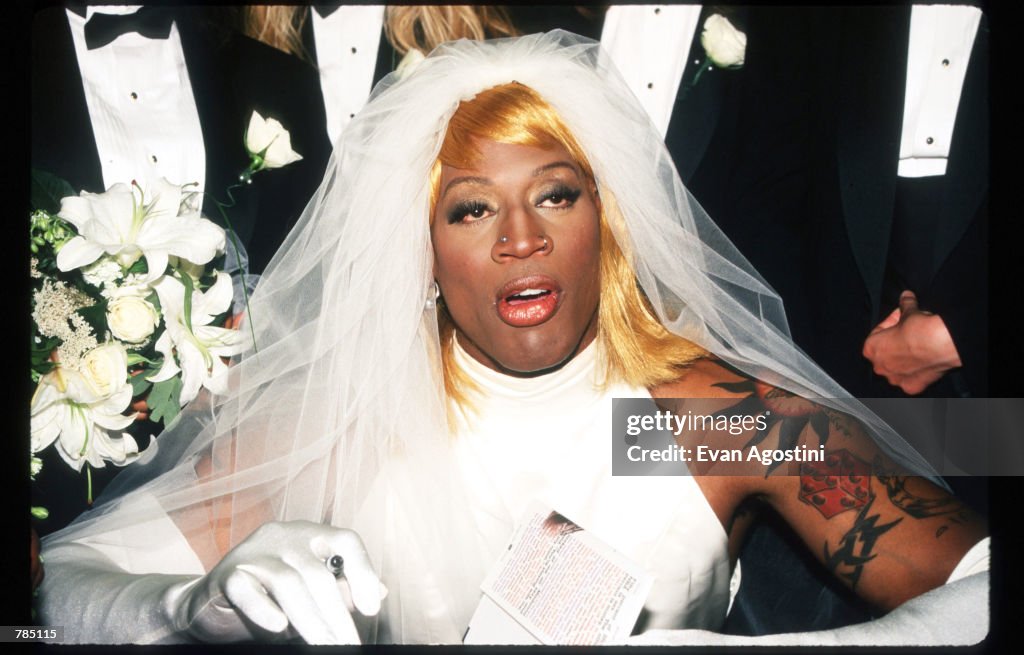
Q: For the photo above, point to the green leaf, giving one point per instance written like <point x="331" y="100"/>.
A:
<point x="47" y="190"/>
<point x="40" y="512"/>
<point x="187" y="281"/>
<point x="163" y="400"/>
<point x="140" y="266"/>
<point x="135" y="358"/>
<point x="40" y="356"/>
<point x="41" y="351"/>
<point x="96" y="317"/>
<point x="140" y="384"/>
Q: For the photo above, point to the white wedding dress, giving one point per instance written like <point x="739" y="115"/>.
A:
<point x="548" y="438"/>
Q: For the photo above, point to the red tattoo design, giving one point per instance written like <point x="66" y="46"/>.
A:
<point x="838" y="484"/>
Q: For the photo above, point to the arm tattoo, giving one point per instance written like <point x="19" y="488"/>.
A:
<point x="917" y="506"/>
<point x="838" y="484"/>
<point x="841" y="483"/>
<point x="745" y="509"/>
<point x="855" y="547"/>
<point x="791" y="412"/>
<point x="912" y="504"/>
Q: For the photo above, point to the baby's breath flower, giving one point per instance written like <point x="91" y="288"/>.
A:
<point x="56" y="304"/>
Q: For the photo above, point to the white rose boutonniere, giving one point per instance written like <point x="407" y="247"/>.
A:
<point x="409" y="63"/>
<point x="724" y="45"/>
<point x="268" y="143"/>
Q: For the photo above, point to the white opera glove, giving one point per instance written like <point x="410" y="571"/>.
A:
<point x="953" y="614"/>
<point x="957" y="613"/>
<point x="276" y="578"/>
<point x="279" y="577"/>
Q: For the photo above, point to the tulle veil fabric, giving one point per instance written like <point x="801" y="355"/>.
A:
<point x="338" y="414"/>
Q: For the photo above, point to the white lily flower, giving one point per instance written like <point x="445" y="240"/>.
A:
<point x="78" y="409"/>
<point x="121" y="224"/>
<point x="267" y="140"/>
<point x="196" y="352"/>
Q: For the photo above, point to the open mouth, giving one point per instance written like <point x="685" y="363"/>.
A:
<point x="528" y="301"/>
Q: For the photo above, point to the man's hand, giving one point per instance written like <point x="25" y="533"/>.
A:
<point x="911" y="348"/>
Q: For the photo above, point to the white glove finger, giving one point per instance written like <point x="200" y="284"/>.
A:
<point x="326" y="592"/>
<point x="362" y="579"/>
<point x="251" y="600"/>
<point x="288" y="589"/>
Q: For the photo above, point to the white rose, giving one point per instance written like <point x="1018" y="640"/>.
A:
<point x="270" y="142"/>
<point x="409" y="63"/>
<point x="725" y="45"/>
<point x="131" y="318"/>
<point x="105" y="368"/>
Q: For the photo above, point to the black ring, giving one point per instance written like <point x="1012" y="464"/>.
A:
<point x="336" y="565"/>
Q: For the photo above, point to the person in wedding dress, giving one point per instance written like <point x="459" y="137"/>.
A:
<point x="500" y="247"/>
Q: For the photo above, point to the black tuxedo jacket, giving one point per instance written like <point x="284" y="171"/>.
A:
<point x="737" y="137"/>
<point x="231" y="76"/>
<point x="851" y="221"/>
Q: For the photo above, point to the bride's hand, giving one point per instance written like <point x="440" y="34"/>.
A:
<point x="279" y="577"/>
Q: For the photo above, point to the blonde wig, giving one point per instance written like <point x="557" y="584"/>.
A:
<point x="637" y="349"/>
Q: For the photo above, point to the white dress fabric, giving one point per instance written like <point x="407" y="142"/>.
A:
<point x="547" y="439"/>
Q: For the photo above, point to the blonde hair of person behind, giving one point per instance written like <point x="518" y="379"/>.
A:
<point x="279" y="26"/>
<point x="637" y="348"/>
<point x="422" y="27"/>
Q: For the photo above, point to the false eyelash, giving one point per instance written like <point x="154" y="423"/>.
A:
<point x="462" y="209"/>
<point x="565" y="192"/>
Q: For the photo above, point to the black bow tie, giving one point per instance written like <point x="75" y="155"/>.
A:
<point x="325" y="10"/>
<point x="150" y="22"/>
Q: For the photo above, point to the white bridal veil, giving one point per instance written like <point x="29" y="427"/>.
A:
<point x="339" y="415"/>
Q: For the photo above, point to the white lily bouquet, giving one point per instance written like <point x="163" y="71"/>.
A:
<point x="129" y="301"/>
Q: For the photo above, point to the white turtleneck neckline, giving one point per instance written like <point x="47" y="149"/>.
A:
<point x="581" y="369"/>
